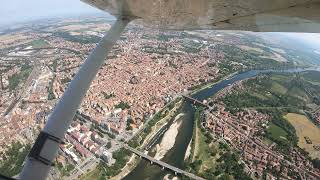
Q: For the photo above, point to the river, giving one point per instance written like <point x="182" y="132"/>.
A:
<point x="175" y="156"/>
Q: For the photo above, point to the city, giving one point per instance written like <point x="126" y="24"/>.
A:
<point x="153" y="81"/>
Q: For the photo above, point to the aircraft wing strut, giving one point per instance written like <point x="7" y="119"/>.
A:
<point x="47" y="144"/>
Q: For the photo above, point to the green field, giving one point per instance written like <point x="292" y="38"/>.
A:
<point x="277" y="132"/>
<point x="13" y="160"/>
<point x="276" y="87"/>
<point x="88" y="39"/>
<point x="312" y="76"/>
<point x="20" y="77"/>
<point x="278" y="77"/>
<point x="39" y="43"/>
<point x="95" y="174"/>
<point x="204" y="149"/>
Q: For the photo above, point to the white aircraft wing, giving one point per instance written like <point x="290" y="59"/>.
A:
<point x="250" y="15"/>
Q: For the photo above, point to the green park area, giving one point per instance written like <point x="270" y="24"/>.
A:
<point x="39" y="43"/>
<point x="88" y="39"/>
<point x="11" y="165"/>
<point x="102" y="171"/>
<point x="277" y="132"/>
<point x="19" y="77"/>
<point x="204" y="150"/>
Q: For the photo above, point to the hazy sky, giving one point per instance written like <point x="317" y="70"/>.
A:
<point x="12" y="11"/>
<point x="307" y="40"/>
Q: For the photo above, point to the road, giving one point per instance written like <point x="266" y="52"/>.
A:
<point x="33" y="75"/>
<point x="86" y="166"/>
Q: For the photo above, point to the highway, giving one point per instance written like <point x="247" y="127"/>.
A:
<point x="162" y="164"/>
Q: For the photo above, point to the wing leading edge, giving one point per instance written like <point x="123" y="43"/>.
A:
<point x="249" y="15"/>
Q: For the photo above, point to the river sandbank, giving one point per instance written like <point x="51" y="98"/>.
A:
<point x="161" y="123"/>
<point x="188" y="151"/>
<point x="169" y="138"/>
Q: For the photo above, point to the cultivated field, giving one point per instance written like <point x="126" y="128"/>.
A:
<point x="305" y="128"/>
<point x="249" y="48"/>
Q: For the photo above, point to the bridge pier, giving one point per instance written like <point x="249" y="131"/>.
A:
<point x="175" y="173"/>
<point x="162" y="167"/>
<point x="151" y="162"/>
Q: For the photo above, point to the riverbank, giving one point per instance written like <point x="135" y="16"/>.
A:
<point x="161" y="123"/>
<point x="199" y="139"/>
<point x="158" y="128"/>
<point x="195" y="139"/>
<point x="204" y="150"/>
<point x="134" y="160"/>
<point x="188" y="151"/>
<point x="210" y="84"/>
<point x="209" y="150"/>
<point x="131" y="164"/>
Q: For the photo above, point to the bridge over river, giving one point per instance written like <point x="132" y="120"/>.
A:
<point x="162" y="164"/>
<point x="196" y="101"/>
